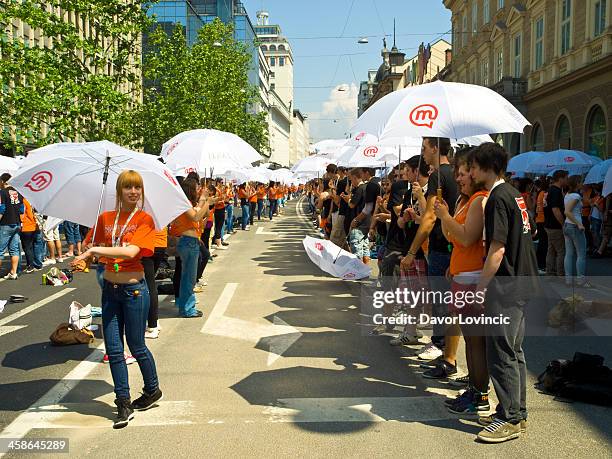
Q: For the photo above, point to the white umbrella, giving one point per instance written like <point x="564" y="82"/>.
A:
<point x="441" y="109"/>
<point x="607" y="186"/>
<point x="311" y="165"/>
<point x="282" y="175"/>
<point x="519" y="164"/>
<point x="337" y="262"/>
<point x="573" y="161"/>
<point x="331" y="147"/>
<point x="8" y="164"/>
<point x="201" y="150"/>
<point x="472" y="141"/>
<point x="366" y="150"/>
<point x="598" y="172"/>
<point x="68" y="181"/>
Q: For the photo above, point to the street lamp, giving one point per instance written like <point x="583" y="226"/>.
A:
<point x="363" y="41"/>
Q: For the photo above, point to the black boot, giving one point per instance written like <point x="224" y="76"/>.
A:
<point x="125" y="413"/>
<point x="146" y="401"/>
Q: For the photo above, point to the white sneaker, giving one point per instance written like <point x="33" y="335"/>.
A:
<point x="221" y="247"/>
<point x="430" y="352"/>
<point x="60" y="260"/>
<point x="202" y="283"/>
<point x="10" y="276"/>
<point x="152" y="333"/>
<point x="48" y="262"/>
<point x="129" y="359"/>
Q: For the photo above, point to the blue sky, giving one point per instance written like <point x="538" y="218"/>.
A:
<point x="317" y="60"/>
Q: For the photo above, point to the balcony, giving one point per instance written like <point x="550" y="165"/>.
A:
<point x="512" y="89"/>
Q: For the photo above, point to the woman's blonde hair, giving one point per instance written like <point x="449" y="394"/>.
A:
<point x="128" y="179"/>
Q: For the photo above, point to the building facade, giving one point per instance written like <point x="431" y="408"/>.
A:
<point x="551" y="58"/>
<point x="283" y="119"/>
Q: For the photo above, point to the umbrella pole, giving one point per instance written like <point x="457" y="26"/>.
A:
<point x="104" y="180"/>
<point x="439" y="190"/>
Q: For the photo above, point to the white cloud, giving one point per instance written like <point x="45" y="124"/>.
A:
<point x="338" y="114"/>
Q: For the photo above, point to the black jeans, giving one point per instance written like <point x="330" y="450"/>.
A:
<point x="219" y="222"/>
<point x="178" y="269"/>
<point x="151" y="265"/>
<point x="27" y="241"/>
<point x="205" y="238"/>
<point x="505" y="358"/>
<point x="542" y="246"/>
<point x="253" y="206"/>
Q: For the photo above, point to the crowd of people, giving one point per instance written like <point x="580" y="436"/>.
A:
<point x="128" y="251"/>
<point x="455" y="221"/>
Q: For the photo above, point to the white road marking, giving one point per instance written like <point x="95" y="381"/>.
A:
<point x="260" y="230"/>
<point x="6" y="329"/>
<point x="35" y="306"/>
<point x="26" y="421"/>
<point x="361" y="409"/>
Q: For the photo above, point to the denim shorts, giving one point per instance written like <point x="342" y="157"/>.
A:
<point x="9" y="239"/>
<point x="359" y="243"/>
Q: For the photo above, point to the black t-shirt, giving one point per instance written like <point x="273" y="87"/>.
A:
<point x="11" y="206"/>
<point x="437" y="241"/>
<point x="507" y="221"/>
<point x="411" y="227"/>
<point x="554" y="198"/>
<point x="372" y="191"/>
<point x="396" y="239"/>
<point x="341" y="188"/>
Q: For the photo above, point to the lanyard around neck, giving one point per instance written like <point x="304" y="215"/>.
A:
<point x="115" y="241"/>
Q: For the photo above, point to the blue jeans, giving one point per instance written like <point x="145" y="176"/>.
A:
<point x="437" y="264"/>
<point x="273" y="207"/>
<point x="9" y="239"/>
<point x="188" y="248"/>
<point x="245" y="215"/>
<point x="40" y="249"/>
<point x="229" y="218"/>
<point x="575" y="253"/>
<point x="125" y="308"/>
<point x="72" y="232"/>
<point x="260" y="206"/>
<point x="596" y="231"/>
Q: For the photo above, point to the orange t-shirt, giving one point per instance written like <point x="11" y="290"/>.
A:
<point x="471" y="258"/>
<point x="161" y="238"/>
<point x="253" y="196"/>
<point x="140" y="232"/>
<point x="272" y="192"/>
<point x="220" y="204"/>
<point x="540" y="207"/>
<point x="28" y="221"/>
<point x="184" y="223"/>
<point x="261" y="192"/>
<point x="242" y="194"/>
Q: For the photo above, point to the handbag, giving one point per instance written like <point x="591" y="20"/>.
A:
<point x="65" y="335"/>
<point x="79" y="315"/>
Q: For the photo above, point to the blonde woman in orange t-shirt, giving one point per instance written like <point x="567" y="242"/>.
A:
<point x="29" y="230"/>
<point x="122" y="237"/>
<point x="464" y="231"/>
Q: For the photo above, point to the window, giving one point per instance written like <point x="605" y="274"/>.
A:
<point x="264" y="48"/>
<point x="539" y="43"/>
<point x="499" y="65"/>
<point x="485" y="72"/>
<point x="272" y="47"/>
<point x="474" y="17"/>
<point x="281" y="61"/>
<point x="517" y="56"/>
<point x="281" y="47"/>
<point x="486" y="13"/>
<point x="272" y="62"/>
<point x="596" y="133"/>
<point x="537" y="138"/>
<point x="500" y="4"/>
<point x="563" y="138"/>
<point x="566" y="25"/>
<point x="600" y="18"/>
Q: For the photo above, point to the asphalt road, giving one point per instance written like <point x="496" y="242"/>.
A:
<point x="228" y="392"/>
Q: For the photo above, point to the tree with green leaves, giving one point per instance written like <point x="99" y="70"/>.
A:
<point x="204" y="85"/>
<point x="78" y="77"/>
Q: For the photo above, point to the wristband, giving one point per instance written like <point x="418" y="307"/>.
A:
<point x="410" y="253"/>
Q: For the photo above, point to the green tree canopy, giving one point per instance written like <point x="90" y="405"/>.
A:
<point x="79" y="78"/>
<point x="200" y="86"/>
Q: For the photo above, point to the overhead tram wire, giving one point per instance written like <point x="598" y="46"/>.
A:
<point x="348" y="17"/>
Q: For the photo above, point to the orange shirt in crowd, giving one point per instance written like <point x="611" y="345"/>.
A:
<point x="242" y="194"/>
<point x="253" y="195"/>
<point x="161" y="238"/>
<point x="586" y="201"/>
<point x="540" y="207"/>
<point x="220" y="204"/>
<point x="184" y="223"/>
<point x="28" y="221"/>
<point x="140" y="232"/>
<point x="261" y="192"/>
<point x="471" y="258"/>
<point x="272" y="192"/>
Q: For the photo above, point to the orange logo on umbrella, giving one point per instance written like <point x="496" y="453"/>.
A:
<point x="39" y="181"/>
<point x="424" y="115"/>
<point x="370" y="152"/>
